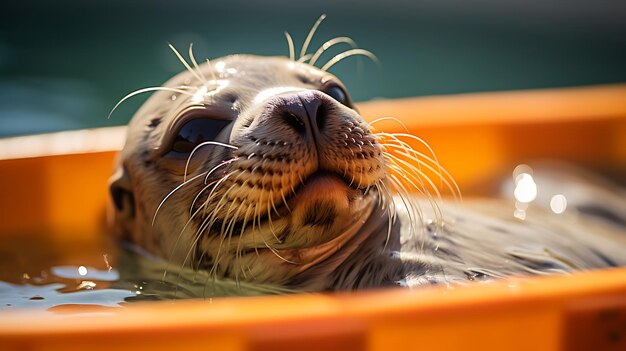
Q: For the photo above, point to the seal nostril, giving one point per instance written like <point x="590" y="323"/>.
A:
<point x="321" y="116"/>
<point x="294" y="122"/>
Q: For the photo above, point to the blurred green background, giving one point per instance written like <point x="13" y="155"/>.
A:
<point x="64" y="64"/>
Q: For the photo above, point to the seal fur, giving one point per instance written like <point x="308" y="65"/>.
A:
<point x="294" y="189"/>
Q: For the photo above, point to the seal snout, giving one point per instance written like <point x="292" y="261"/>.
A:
<point x="305" y="112"/>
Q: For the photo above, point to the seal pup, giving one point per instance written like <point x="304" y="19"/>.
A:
<point x="261" y="170"/>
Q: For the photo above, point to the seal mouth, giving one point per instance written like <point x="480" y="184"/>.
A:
<point x="323" y="193"/>
<point x="321" y="178"/>
<point x="326" y="185"/>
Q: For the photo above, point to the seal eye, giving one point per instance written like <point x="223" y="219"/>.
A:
<point x="194" y="132"/>
<point x="337" y="93"/>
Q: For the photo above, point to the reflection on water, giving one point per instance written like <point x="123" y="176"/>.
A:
<point x="558" y="203"/>
<point x="50" y="295"/>
<point x="134" y="276"/>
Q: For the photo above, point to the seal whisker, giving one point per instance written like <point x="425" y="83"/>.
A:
<point x="444" y="176"/>
<point x="328" y="44"/>
<point x="420" y="158"/>
<point x="422" y="188"/>
<point x="241" y="234"/>
<point x="195" y="64"/>
<point x="388" y="118"/>
<point x="187" y="223"/>
<point x="386" y="197"/>
<point x="211" y="70"/>
<point x="390" y="203"/>
<point x="415" y="174"/>
<point x="277" y="254"/>
<point x="413" y="137"/>
<point x="156" y="212"/>
<point x="218" y="257"/>
<point x="271" y="224"/>
<point x="251" y="206"/>
<point x="224" y="163"/>
<point x="192" y="248"/>
<point x="230" y="218"/>
<point x="197" y="236"/>
<point x="418" y="155"/>
<point x="184" y="62"/>
<point x="282" y="195"/>
<point x="434" y="160"/>
<point x="206" y="225"/>
<point x="413" y="210"/>
<point x="216" y="186"/>
<point x="231" y="227"/>
<point x="204" y="144"/>
<point x="179" y="89"/>
<point x="307" y="41"/>
<point x="305" y="57"/>
<point x="195" y="199"/>
<point x="346" y="54"/>
<point x="383" y="198"/>
<point x="292" y="54"/>
<point x="272" y="203"/>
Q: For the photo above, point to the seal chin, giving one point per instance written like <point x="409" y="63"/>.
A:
<point x="325" y="200"/>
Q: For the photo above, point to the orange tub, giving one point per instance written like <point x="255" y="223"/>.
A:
<point x="56" y="185"/>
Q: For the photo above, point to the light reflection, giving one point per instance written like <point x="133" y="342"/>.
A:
<point x="219" y="66"/>
<point x="268" y="93"/>
<point x="199" y="95"/>
<point x="86" y="285"/>
<point x="203" y="91"/>
<point x="520" y="169"/>
<point x="82" y="270"/>
<point x="525" y="188"/>
<point x="558" y="203"/>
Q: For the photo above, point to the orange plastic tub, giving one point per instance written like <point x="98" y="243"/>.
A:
<point x="55" y="185"/>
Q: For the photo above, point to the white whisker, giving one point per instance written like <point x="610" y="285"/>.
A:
<point x="171" y="193"/>
<point x="184" y="62"/>
<point x="307" y="41"/>
<point x="292" y="53"/>
<point x="352" y="52"/>
<point x="371" y="123"/>
<point x="179" y="89"/>
<point x="217" y="143"/>
<point x="327" y="45"/>
<point x="195" y="64"/>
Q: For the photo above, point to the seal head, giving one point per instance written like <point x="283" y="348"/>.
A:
<point x="255" y="168"/>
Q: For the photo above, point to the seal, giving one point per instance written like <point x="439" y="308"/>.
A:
<point x="260" y="169"/>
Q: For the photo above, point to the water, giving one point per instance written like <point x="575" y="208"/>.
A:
<point x="101" y="273"/>
<point x="54" y="273"/>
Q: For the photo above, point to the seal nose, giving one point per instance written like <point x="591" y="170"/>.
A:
<point x="305" y="112"/>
